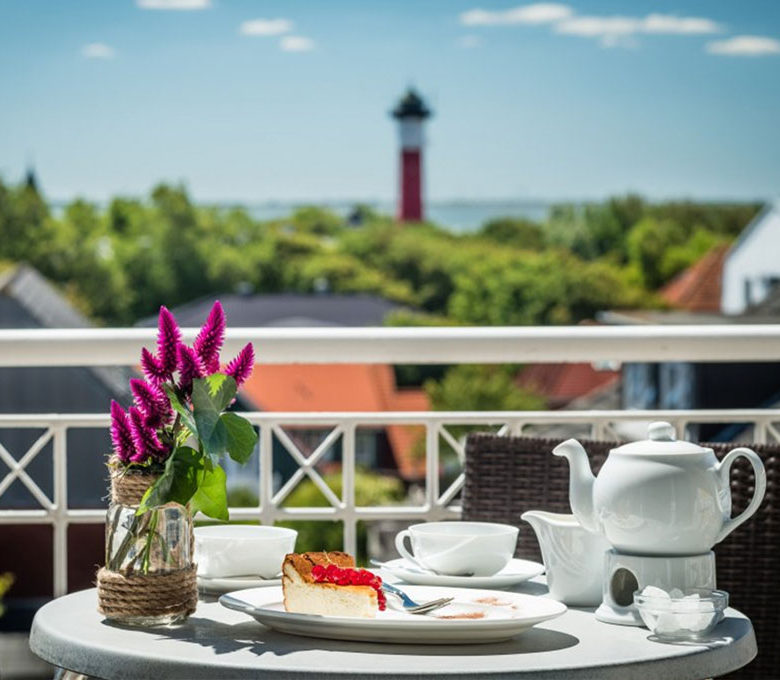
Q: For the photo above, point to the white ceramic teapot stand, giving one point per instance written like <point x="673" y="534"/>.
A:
<point x="625" y="574"/>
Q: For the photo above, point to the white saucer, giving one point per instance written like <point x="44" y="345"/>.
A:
<point x="497" y="617"/>
<point x="219" y="586"/>
<point x="515" y="572"/>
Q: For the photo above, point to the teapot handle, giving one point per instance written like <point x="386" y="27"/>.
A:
<point x="723" y="468"/>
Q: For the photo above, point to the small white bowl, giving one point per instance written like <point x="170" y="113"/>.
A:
<point x="677" y="619"/>
<point x="229" y="550"/>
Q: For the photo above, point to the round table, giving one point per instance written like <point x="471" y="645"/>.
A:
<point x="219" y="643"/>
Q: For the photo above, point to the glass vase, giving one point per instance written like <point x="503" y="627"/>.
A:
<point x="149" y="577"/>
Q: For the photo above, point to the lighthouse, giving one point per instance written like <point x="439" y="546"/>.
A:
<point x="411" y="113"/>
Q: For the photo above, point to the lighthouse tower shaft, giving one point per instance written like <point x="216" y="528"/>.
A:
<point x="410" y="200"/>
<point x="411" y="113"/>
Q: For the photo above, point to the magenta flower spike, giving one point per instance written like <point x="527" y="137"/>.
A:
<point x="241" y="367"/>
<point x="152" y="401"/>
<point x="147" y="443"/>
<point x="189" y="366"/>
<point x="151" y="367"/>
<point x="168" y="338"/>
<point x="121" y="434"/>
<point x="210" y="339"/>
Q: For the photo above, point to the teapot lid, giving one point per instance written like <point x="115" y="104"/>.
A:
<point x="661" y="439"/>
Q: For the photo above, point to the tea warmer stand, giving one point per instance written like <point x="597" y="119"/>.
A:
<point x="625" y="574"/>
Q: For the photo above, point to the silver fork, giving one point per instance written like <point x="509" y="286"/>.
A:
<point x="412" y="607"/>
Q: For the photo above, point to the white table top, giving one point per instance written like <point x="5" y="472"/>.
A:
<point x="219" y="643"/>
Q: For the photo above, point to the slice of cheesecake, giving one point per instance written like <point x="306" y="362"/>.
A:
<point x="327" y="584"/>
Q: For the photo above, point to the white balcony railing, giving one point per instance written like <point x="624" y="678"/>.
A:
<point x="461" y="345"/>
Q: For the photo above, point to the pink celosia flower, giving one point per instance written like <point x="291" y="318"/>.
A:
<point x="210" y="339"/>
<point x="189" y="366"/>
<point x="151" y="367"/>
<point x="121" y="434"/>
<point x="241" y="367"/>
<point x="168" y="338"/>
<point x="152" y="401"/>
<point x="147" y="443"/>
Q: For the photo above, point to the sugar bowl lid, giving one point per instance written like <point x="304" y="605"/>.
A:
<point x="661" y="440"/>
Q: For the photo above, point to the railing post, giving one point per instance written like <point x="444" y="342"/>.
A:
<point x="759" y="431"/>
<point x="266" y="471"/>
<point x="348" y="488"/>
<point x="431" y="464"/>
<point x="60" y="512"/>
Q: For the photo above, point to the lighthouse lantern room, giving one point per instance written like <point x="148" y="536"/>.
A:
<point x="411" y="113"/>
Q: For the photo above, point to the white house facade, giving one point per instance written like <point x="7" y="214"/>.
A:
<point x="752" y="266"/>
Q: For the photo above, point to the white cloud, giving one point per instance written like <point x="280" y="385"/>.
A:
<point x="595" y="27"/>
<point x="620" y="31"/>
<point x="296" y="43"/>
<point x="266" y="27"/>
<point x="538" y="13"/>
<point x="469" y="41"/>
<point x="669" y="24"/>
<point x="98" y="51"/>
<point x="745" y="46"/>
<point x="174" y="4"/>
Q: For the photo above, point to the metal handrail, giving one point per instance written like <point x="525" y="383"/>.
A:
<point x="515" y="344"/>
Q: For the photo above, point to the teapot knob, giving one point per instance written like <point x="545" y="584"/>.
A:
<point x="661" y="431"/>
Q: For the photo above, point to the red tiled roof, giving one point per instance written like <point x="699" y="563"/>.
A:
<point x="698" y="288"/>
<point x="560" y="383"/>
<point x="343" y="387"/>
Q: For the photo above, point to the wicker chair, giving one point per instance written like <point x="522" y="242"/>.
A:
<point x="505" y="476"/>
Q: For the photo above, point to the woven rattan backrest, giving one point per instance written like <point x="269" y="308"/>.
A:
<point x="505" y="476"/>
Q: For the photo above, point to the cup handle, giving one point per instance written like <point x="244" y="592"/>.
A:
<point x="723" y="469"/>
<point x="400" y="546"/>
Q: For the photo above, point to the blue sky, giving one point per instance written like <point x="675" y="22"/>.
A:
<point x="555" y="100"/>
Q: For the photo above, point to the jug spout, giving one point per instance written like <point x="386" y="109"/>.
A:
<point x="581" y="481"/>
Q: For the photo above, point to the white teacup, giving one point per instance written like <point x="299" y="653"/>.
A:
<point x="224" y="551"/>
<point x="454" y="548"/>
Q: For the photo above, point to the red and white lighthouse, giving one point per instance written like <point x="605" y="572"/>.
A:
<point x="411" y="113"/>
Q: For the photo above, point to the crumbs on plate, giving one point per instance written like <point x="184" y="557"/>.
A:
<point x="464" y="615"/>
<point x="494" y="601"/>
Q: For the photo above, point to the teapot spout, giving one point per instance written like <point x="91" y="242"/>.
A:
<point x="581" y="481"/>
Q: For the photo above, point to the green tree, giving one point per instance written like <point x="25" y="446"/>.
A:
<point x="648" y="241"/>
<point x="315" y="220"/>
<point x="515" y="231"/>
<point x="470" y="387"/>
<point x="370" y="489"/>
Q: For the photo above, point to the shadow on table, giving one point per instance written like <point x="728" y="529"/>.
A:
<point x="225" y="638"/>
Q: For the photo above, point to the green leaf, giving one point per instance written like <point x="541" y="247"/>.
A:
<point x="241" y="437"/>
<point x="211" y="496"/>
<point x="178" y="483"/>
<point x="211" y="396"/>
<point x="222" y="388"/>
<point x="181" y="409"/>
<point x="187" y="465"/>
<point x="157" y="494"/>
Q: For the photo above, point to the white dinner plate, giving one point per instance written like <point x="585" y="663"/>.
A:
<point x="515" y="572"/>
<point x="219" y="586"/>
<point x="500" y="616"/>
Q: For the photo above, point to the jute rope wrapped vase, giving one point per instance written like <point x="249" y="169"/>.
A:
<point x="149" y="577"/>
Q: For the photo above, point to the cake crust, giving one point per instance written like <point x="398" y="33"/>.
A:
<point x="303" y="563"/>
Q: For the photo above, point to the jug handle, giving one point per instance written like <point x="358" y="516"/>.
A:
<point x="759" y="489"/>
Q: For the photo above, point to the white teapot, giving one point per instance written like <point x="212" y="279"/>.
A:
<point x="658" y="496"/>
